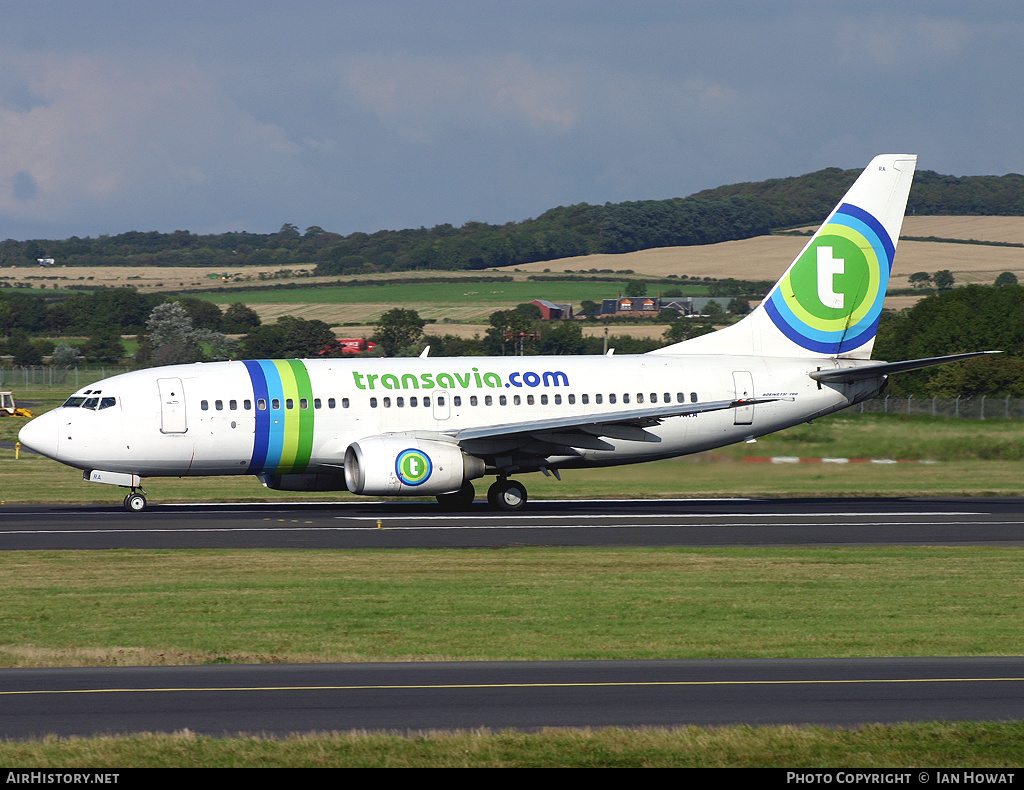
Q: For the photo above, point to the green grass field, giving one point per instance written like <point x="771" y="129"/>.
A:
<point x="441" y="293"/>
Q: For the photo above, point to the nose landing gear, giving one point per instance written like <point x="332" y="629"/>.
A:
<point x="135" y="501"/>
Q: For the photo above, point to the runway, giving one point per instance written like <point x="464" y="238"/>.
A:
<point x="390" y="525"/>
<point x="281" y="699"/>
<point x="277" y="700"/>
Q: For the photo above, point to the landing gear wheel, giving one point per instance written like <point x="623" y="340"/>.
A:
<point x="458" y="500"/>
<point x="507" y="495"/>
<point x="135" y="502"/>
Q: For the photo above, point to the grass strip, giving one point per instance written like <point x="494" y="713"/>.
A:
<point x="911" y="746"/>
<point x="194" y="607"/>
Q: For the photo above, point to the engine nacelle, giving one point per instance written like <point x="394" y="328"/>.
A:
<point x="308" y="481"/>
<point x="398" y="466"/>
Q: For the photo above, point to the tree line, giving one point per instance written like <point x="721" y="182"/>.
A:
<point x="727" y="213"/>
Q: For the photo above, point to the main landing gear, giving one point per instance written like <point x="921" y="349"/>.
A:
<point x="504" y="494"/>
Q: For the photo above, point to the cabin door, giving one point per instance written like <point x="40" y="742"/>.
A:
<point x="172" y="406"/>
<point x="744" y="384"/>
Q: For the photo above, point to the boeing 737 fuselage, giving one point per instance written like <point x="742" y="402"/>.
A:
<point x="430" y="426"/>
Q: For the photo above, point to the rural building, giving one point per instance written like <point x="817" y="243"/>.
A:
<point x="550" y="311"/>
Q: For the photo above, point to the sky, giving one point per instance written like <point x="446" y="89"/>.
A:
<point x="363" y="115"/>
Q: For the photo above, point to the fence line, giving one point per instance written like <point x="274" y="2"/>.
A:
<point x="982" y="407"/>
<point x="58" y="378"/>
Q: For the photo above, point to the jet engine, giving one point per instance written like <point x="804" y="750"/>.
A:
<point x="402" y="466"/>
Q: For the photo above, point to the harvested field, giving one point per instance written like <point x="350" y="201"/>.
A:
<point x="765" y="258"/>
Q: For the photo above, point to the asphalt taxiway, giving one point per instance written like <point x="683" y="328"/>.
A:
<point x="277" y="700"/>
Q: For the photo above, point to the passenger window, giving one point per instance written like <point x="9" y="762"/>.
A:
<point x="373" y="403"/>
<point x="457" y="400"/>
<point x="387" y="403"/>
<point x="303" y="403"/>
<point x="233" y="405"/>
<point x="599" y="399"/>
<point x="330" y="403"/>
<point x="275" y="403"/>
<point x="203" y="404"/>
<point x="413" y="402"/>
<point x="558" y="400"/>
<point x="572" y="399"/>
<point x="472" y="400"/>
<point x="502" y="400"/>
<point x="400" y="402"/>
<point x="668" y="397"/>
<point x="218" y="405"/>
<point x="611" y="399"/>
<point x="693" y="397"/>
<point x="317" y="403"/>
<point x="639" y="397"/>
<point x="543" y="400"/>
<point x="516" y="400"/>
<point x="488" y="400"/>
<point x="654" y="397"/>
<point x="426" y="401"/>
<point x="440" y="400"/>
<point x="344" y="403"/>
<point x="261" y="405"/>
<point x="529" y="400"/>
<point x="680" y="398"/>
<point x="625" y="398"/>
<point x="289" y="403"/>
<point x="585" y="398"/>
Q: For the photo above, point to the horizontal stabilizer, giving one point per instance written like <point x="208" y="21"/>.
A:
<point x="844" y="375"/>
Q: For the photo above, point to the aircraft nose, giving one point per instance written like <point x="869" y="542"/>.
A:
<point x="40" y="435"/>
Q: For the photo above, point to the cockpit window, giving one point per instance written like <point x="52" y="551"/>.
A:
<point x="78" y="402"/>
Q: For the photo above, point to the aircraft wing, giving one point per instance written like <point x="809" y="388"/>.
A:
<point x="562" y="435"/>
<point x="844" y="375"/>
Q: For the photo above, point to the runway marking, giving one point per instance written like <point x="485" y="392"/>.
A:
<point x="464" y="517"/>
<point x="438" y="528"/>
<point x="451" y="686"/>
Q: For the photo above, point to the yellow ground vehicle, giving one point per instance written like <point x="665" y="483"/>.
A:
<point x="8" y="409"/>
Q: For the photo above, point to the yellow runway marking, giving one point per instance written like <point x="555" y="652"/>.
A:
<point x="449" y="686"/>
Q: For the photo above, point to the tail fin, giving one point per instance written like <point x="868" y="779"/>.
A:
<point x="829" y="300"/>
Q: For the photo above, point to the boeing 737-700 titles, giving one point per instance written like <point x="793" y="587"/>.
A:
<point x="430" y="426"/>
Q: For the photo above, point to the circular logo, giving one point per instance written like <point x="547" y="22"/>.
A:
<point x="830" y="299"/>
<point x="413" y="467"/>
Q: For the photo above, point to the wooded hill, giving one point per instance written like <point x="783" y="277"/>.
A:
<point x="728" y="213"/>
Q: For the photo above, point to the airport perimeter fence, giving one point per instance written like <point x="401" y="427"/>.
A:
<point x="45" y="377"/>
<point x="985" y="407"/>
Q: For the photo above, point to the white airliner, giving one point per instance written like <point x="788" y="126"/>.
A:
<point x="429" y="426"/>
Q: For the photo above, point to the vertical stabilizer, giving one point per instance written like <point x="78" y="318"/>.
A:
<point x="829" y="300"/>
